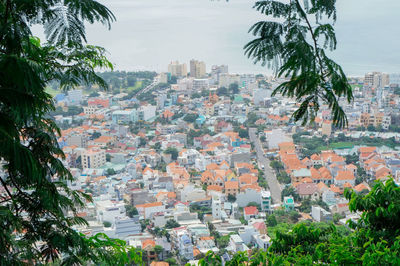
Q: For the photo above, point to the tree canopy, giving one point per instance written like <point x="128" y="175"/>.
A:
<point x="35" y="197"/>
<point x="374" y="241"/>
<point x="294" y="42"/>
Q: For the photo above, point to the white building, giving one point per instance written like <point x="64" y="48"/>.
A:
<point x="127" y="226"/>
<point x="236" y="244"/>
<point x="75" y="97"/>
<point x="176" y="69"/>
<point x="106" y="210"/>
<point x="226" y="79"/>
<point x="259" y="95"/>
<point x="320" y="215"/>
<point x="249" y="195"/>
<point x="147" y="112"/>
<point x="265" y="201"/>
<point x="182" y="242"/>
<point x="274" y="137"/>
<point x="190" y="193"/>
<point x="216" y="206"/>
<point x="93" y="158"/>
<point x="148" y="209"/>
<point x="200" y="84"/>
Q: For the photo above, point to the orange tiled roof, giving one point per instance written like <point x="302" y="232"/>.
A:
<point x="214" y="187"/>
<point x="149" y="205"/>
<point x="148" y="242"/>
<point x="345" y="175"/>
<point x="231" y="185"/>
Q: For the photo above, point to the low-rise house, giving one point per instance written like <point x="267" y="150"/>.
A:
<point x="148" y="209"/>
<point x="236" y="244"/>
<point x="231" y="188"/>
<point x="308" y="191"/>
<point x="250" y="212"/>
<point x="288" y="203"/>
<point x="345" y="176"/>
<point x="182" y="242"/>
<point x="320" y="215"/>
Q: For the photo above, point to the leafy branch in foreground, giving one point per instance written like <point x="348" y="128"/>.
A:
<point x="37" y="209"/>
<point x="294" y="43"/>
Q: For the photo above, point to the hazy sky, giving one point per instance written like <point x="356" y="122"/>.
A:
<point x="148" y="34"/>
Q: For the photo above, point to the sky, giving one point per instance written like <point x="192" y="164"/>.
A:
<point x="148" y="34"/>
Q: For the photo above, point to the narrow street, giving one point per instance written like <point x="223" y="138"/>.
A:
<point x="268" y="172"/>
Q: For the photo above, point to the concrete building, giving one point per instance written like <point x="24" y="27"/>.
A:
<point x="200" y="84"/>
<point x="75" y="97"/>
<point x="288" y="203"/>
<point x="93" y="158"/>
<point x="226" y="79"/>
<point x="394" y="79"/>
<point x="148" y="209"/>
<point x="246" y="80"/>
<point x="265" y="201"/>
<point x="147" y="112"/>
<point x="259" y="95"/>
<point x="182" y="242"/>
<point x="216" y="206"/>
<point x="127" y="226"/>
<point x="376" y="79"/>
<point x="274" y="137"/>
<point x="216" y="71"/>
<point x="236" y="244"/>
<point x="79" y="140"/>
<point x="124" y="116"/>
<point x="376" y="120"/>
<point x="176" y="69"/>
<point x="109" y="211"/>
<point x="197" y="69"/>
<point x="90" y="110"/>
<point x="326" y="128"/>
<point x="320" y="215"/>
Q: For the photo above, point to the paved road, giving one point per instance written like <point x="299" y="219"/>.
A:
<point x="269" y="175"/>
<point x="148" y="87"/>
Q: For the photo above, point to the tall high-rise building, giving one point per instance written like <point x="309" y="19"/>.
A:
<point x="176" y="69"/>
<point x="394" y="79"/>
<point x="93" y="158"/>
<point x="216" y="71"/>
<point x="376" y="79"/>
<point x="197" y="69"/>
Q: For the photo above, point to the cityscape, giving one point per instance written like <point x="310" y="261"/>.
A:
<point x="199" y="132"/>
<point x="183" y="162"/>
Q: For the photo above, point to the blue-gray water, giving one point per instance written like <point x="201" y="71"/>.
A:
<point x="149" y="34"/>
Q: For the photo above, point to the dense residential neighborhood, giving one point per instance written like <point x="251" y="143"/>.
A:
<point x="184" y="162"/>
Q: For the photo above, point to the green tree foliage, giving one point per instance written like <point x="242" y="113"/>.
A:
<point x="172" y="224"/>
<point x="254" y="204"/>
<point x="222" y="91"/>
<point x="290" y="191"/>
<point x="158" y="249"/>
<point x="110" y="171"/>
<point x="173" y="151"/>
<point x="284" y="178"/>
<point x="131" y="210"/>
<point x="374" y="241"/>
<point x="271" y="220"/>
<point x="190" y="118"/>
<point x="276" y="165"/>
<point x="231" y="198"/>
<point x="234" y="88"/>
<point x="243" y="133"/>
<point x="107" y="224"/>
<point x="293" y="41"/>
<point x="142" y="142"/>
<point x="34" y="226"/>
